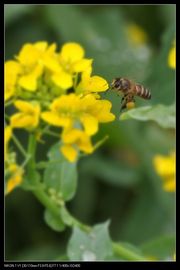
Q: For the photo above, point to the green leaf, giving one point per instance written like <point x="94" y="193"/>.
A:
<point x="160" y="248"/>
<point x="60" y="175"/>
<point x="93" y="246"/>
<point x="161" y="114"/>
<point x="53" y="222"/>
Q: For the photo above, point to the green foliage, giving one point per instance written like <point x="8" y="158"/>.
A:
<point x="60" y="174"/>
<point x="95" y="245"/>
<point x="161" y="114"/>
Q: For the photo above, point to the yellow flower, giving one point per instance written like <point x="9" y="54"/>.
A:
<point x="28" y="117"/>
<point x="72" y="61"/>
<point x="12" y="70"/>
<point x="7" y="136"/>
<point x="136" y="34"/>
<point x="15" y="178"/>
<point x="172" y="57"/>
<point x="90" y="84"/>
<point x="72" y="110"/>
<point x="165" y="167"/>
<point x="73" y="141"/>
<point x="33" y="58"/>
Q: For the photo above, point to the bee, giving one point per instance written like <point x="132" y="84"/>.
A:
<point x="129" y="89"/>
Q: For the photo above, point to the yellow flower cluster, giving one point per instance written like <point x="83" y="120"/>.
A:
<point x="57" y="87"/>
<point x="166" y="168"/>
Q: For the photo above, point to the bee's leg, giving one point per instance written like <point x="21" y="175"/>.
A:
<point x="133" y="100"/>
<point x="123" y="103"/>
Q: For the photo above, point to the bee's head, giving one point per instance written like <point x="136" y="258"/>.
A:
<point x="120" y="84"/>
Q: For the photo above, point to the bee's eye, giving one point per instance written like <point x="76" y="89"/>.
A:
<point x="125" y="84"/>
<point x="116" y="83"/>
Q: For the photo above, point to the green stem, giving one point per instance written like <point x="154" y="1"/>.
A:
<point x="9" y="103"/>
<point x="32" y="148"/>
<point x="75" y="222"/>
<point x="75" y="81"/>
<point x="40" y="193"/>
<point x="51" y="133"/>
<point x="19" y="146"/>
<point x="32" y="177"/>
<point x="100" y="142"/>
<point x="126" y="254"/>
<point x="26" y="161"/>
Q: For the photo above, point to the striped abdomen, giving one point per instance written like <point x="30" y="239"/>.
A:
<point x="141" y="91"/>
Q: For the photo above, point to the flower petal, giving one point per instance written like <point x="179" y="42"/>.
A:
<point x="28" y="55"/>
<point x="51" y="63"/>
<point x="164" y="165"/>
<point x="15" y="179"/>
<point x="24" y="106"/>
<point x="90" y="124"/>
<point x="103" y="113"/>
<point x="28" y="117"/>
<point x="70" y="136"/>
<point x="85" y="144"/>
<point x="20" y="120"/>
<point x="69" y="152"/>
<point x="55" y="120"/>
<point x="93" y="84"/>
<point x="71" y="52"/>
<point x="63" y="80"/>
<point x="81" y="65"/>
<point x="170" y="185"/>
<point x="172" y="58"/>
<point x="12" y="69"/>
<point x="7" y="136"/>
<point x="41" y="45"/>
<point x="29" y="81"/>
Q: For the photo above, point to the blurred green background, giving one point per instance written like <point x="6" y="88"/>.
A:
<point x="118" y="182"/>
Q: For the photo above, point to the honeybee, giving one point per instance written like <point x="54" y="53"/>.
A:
<point x="129" y="89"/>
